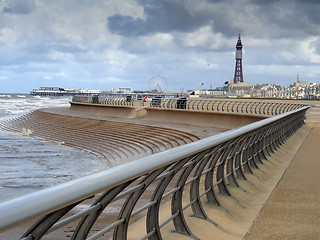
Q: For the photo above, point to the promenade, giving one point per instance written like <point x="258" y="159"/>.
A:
<point x="280" y="200"/>
<point x="293" y="209"/>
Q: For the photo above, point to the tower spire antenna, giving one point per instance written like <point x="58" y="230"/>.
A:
<point x="238" y="73"/>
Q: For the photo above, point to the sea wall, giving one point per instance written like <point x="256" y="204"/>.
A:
<point x="226" y="120"/>
<point x="111" y="111"/>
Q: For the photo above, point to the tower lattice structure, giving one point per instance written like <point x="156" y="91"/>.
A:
<point x="238" y="73"/>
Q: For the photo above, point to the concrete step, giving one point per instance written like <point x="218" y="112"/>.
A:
<point x="116" y="142"/>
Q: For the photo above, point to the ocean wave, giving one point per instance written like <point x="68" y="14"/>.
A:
<point x="27" y="163"/>
<point x="5" y="96"/>
<point x="16" y="106"/>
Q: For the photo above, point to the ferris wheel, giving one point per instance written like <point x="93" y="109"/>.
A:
<point x="158" y="84"/>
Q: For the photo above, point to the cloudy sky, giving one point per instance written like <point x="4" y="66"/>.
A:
<point x="105" y="44"/>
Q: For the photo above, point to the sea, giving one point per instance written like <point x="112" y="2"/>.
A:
<point x="27" y="163"/>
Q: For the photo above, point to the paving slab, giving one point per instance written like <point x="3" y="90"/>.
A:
<point x="293" y="209"/>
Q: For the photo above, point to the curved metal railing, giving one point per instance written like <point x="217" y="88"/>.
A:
<point x="261" y="108"/>
<point x="107" y="100"/>
<point x="216" y="162"/>
<point x="230" y="106"/>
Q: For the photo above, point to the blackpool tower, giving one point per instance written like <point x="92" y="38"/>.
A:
<point x="238" y="74"/>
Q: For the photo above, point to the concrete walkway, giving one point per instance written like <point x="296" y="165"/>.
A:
<point x="293" y="209"/>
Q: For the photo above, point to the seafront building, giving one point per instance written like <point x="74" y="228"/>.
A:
<point x="298" y="90"/>
<point x="58" y="91"/>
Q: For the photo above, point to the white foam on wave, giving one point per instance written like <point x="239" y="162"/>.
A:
<point x="26" y="132"/>
<point x="18" y="105"/>
<point x="7" y="105"/>
<point x="5" y="96"/>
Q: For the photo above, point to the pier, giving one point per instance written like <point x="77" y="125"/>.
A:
<point x="212" y="169"/>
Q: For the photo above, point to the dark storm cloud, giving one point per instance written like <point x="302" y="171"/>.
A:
<point x="19" y="7"/>
<point x="180" y="16"/>
<point x="286" y="18"/>
<point x="160" y="16"/>
<point x="257" y="18"/>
